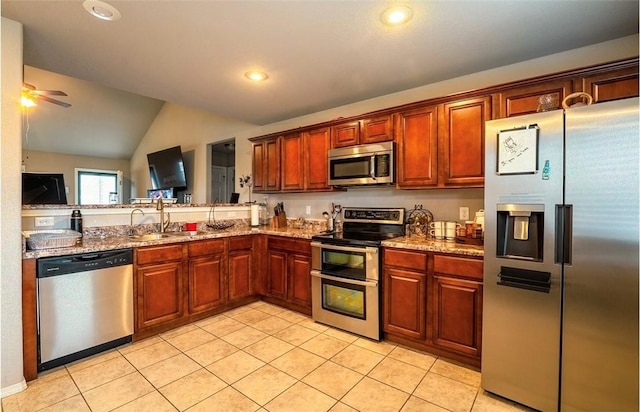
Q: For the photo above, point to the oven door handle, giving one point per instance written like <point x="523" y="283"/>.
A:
<point x="321" y="275"/>
<point x="370" y="250"/>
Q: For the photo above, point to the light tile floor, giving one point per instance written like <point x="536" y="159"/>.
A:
<point x="259" y="357"/>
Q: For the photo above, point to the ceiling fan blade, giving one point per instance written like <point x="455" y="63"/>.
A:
<point x="51" y="92"/>
<point x="54" y="101"/>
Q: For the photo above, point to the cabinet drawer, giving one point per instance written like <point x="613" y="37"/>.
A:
<point x="240" y="242"/>
<point x="294" y="245"/>
<point x="154" y="254"/>
<point x="405" y="259"/>
<point x="471" y="268"/>
<point x="206" y="247"/>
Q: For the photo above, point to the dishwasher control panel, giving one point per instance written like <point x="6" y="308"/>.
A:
<point x="82" y="262"/>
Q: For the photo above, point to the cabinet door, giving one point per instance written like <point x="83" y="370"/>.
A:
<point x="316" y="169"/>
<point x="417" y="148"/>
<point x="292" y="159"/>
<point x="240" y="268"/>
<point x="405" y="303"/>
<point x="346" y="134"/>
<point x="457" y="314"/>
<point x="159" y="294"/>
<point x="272" y="165"/>
<point x="206" y="282"/>
<point x="611" y="85"/>
<point x="300" y="279"/>
<point x="277" y="274"/>
<point x="462" y="142"/>
<point x="258" y="166"/>
<point x="377" y="129"/>
<point x="524" y="100"/>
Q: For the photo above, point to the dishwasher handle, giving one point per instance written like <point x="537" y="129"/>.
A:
<point x="62" y="265"/>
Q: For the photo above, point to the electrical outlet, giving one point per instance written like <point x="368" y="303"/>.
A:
<point x="231" y="214"/>
<point x="464" y="213"/>
<point x="44" y="221"/>
<point x="307" y="210"/>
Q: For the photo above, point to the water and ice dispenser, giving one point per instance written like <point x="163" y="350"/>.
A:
<point x="520" y="231"/>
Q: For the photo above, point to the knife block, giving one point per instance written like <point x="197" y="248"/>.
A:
<point x="280" y="221"/>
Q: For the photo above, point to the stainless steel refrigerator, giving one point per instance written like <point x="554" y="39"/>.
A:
<point x="560" y="322"/>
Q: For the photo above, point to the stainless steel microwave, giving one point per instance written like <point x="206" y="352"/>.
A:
<point x="369" y="164"/>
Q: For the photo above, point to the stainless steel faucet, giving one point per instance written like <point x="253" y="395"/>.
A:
<point x="163" y="224"/>
<point x="131" y="221"/>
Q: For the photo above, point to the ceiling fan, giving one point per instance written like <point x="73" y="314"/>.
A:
<point x="30" y="91"/>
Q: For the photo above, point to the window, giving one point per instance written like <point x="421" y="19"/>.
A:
<point x="98" y="187"/>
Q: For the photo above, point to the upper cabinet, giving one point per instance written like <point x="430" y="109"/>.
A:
<point x="525" y="99"/>
<point x="461" y="140"/>
<point x="610" y="85"/>
<point x="371" y="130"/>
<point x="266" y="165"/>
<point x="439" y="142"/>
<point x="417" y="147"/>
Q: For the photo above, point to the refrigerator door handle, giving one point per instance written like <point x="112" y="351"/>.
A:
<point x="564" y="234"/>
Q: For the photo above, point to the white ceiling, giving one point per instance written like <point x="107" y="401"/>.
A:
<point x="318" y="54"/>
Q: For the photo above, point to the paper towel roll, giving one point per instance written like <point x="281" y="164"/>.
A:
<point x="255" y="215"/>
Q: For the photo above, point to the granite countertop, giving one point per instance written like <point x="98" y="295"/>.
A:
<point x="97" y="244"/>
<point x="432" y="245"/>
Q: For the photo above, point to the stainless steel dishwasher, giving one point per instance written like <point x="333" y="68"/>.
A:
<point x="85" y="305"/>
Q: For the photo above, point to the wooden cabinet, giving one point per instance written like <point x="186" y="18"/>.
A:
<point x="433" y="302"/>
<point x="316" y="168"/>
<point x="207" y="275"/>
<point x="288" y="272"/>
<point x="461" y="141"/>
<point x="610" y="85"/>
<point x="417" y="148"/>
<point x="241" y="267"/>
<point x="405" y="293"/>
<point x="365" y="131"/>
<point x="457" y="304"/>
<point x="524" y="99"/>
<point x="159" y="285"/>
<point x="292" y="162"/>
<point x="266" y="165"/>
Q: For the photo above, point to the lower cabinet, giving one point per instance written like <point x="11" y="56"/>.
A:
<point x="179" y="283"/>
<point x="434" y="303"/>
<point x="159" y="284"/>
<point x="288" y="272"/>
<point x="206" y="275"/>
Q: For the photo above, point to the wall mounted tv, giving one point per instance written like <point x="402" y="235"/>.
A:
<point x="167" y="169"/>
<point x="43" y="189"/>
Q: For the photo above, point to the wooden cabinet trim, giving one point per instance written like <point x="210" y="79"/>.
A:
<point x="206" y="247"/>
<point x="405" y="259"/>
<point x="151" y="254"/>
<point x="458" y="266"/>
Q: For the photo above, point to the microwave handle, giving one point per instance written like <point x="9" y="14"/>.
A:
<point x="372" y="169"/>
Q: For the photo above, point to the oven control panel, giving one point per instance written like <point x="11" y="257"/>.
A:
<point x="374" y="215"/>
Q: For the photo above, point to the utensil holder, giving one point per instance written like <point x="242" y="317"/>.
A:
<point x="280" y="220"/>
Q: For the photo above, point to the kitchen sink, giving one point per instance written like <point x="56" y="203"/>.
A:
<point x="151" y="236"/>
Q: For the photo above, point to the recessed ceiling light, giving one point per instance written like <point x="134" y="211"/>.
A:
<point x="101" y="10"/>
<point x="396" y="15"/>
<point x="256" y="76"/>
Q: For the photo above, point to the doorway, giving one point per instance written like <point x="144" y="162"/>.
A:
<point x="222" y="170"/>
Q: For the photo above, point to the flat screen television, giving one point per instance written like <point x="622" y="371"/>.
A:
<point x="167" y="169"/>
<point x="43" y="189"/>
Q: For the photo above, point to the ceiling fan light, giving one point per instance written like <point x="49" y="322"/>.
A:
<point x="27" y="102"/>
<point x="396" y="15"/>
<point x="256" y="76"/>
<point x="101" y="10"/>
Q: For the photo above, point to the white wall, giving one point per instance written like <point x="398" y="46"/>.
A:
<point x="11" y="377"/>
<point x="190" y="128"/>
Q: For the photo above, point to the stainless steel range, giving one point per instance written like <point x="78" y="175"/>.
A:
<point x="345" y="272"/>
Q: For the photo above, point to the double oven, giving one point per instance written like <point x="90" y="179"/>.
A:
<point x="346" y="270"/>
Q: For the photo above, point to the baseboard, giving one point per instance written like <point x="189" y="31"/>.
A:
<point x="10" y="390"/>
